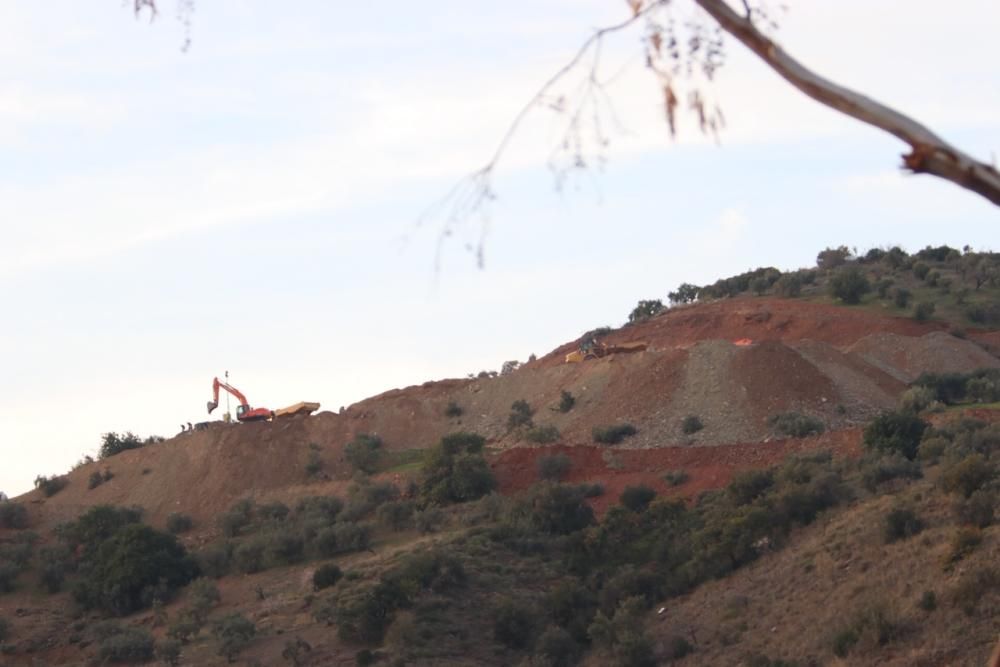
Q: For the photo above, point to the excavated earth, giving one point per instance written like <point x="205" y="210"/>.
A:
<point x="840" y="365"/>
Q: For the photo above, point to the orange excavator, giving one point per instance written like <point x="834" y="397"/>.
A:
<point x="244" y="412"/>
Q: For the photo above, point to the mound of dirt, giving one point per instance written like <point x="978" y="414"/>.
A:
<point x="841" y="365"/>
<point x="905" y="357"/>
<point x="756" y="319"/>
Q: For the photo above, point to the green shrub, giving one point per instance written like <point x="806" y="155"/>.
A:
<point x="248" y="557"/>
<point x="234" y="633"/>
<point x="920" y="270"/>
<point x="553" y="467"/>
<point x="521" y="414"/>
<point x="364" y="452"/>
<point x="676" y="477"/>
<point x="98" y="524"/>
<point x="614" y="434"/>
<point x="453" y="410"/>
<point x="13" y="515"/>
<point x="397" y="514"/>
<point x="931" y="449"/>
<point x="275" y="512"/>
<point x="367" y="497"/>
<point x="215" y="560"/>
<point x="637" y="498"/>
<point x="185" y="626"/>
<point x="928" y="601"/>
<point x="968" y="475"/>
<point x="917" y="399"/>
<point x="622" y="634"/>
<point x="901" y="297"/>
<point x="558" y="647"/>
<point x="462" y="442"/>
<point x="559" y="509"/>
<point x="428" y="520"/>
<point x="95" y="480"/>
<point x="113" y="443"/>
<point x="365" y="658"/>
<point x="325" y="576"/>
<point x="646" y="309"/>
<point x="875" y="472"/>
<point x="923" y="311"/>
<point x="542" y="435"/>
<point x="455" y="471"/>
<point x="985" y="314"/>
<point x="901" y="523"/>
<point x="895" y="432"/>
<point x="514" y="624"/>
<point x="179" y="523"/>
<point x="686" y="293"/>
<point x="691" y="424"/>
<point x="789" y="285"/>
<point x="50" y="486"/>
<point x="796" y="425"/>
<point x="124" y="572"/>
<point x="882" y="287"/>
<point x="746" y="486"/>
<point x="8" y="576"/>
<point x="678" y="647"/>
<point x="343" y="537"/>
<point x="54" y="563"/>
<point x="4" y="629"/>
<point x="284" y="547"/>
<point x="849" y="284"/>
<point x="314" y="461"/>
<point x="571" y="605"/>
<point x="203" y="595"/>
<point x="319" y="508"/>
<point x="832" y="258"/>
<point x="237" y="518"/>
<point x="127" y="645"/>
<point x="566" y="401"/>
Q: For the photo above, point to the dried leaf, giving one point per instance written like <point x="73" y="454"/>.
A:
<point x="670" y="106"/>
<point x="657" y="41"/>
<point x="636" y="6"/>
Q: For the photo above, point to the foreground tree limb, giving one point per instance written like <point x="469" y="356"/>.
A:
<point x="929" y="154"/>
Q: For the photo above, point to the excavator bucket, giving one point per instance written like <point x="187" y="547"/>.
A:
<point x="212" y="405"/>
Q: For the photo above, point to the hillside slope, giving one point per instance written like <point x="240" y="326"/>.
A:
<point x="840" y="366"/>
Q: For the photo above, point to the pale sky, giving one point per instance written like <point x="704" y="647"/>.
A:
<point x="250" y="204"/>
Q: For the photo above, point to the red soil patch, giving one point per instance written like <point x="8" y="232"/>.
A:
<point x="779" y="379"/>
<point x="709" y="467"/>
<point x="759" y="320"/>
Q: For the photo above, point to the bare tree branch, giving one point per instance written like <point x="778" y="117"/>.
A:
<point x="929" y="154"/>
<point x="471" y="193"/>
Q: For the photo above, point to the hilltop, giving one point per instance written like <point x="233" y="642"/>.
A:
<point x="735" y="378"/>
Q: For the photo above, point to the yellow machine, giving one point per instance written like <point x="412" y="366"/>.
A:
<point x="300" y="408"/>
<point x="595" y="350"/>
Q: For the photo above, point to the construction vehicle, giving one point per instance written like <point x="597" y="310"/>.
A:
<point x="244" y="412"/>
<point x="594" y="349"/>
<point x="300" y="408"/>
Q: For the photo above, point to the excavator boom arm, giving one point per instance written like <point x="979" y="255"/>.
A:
<point x="216" y="385"/>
